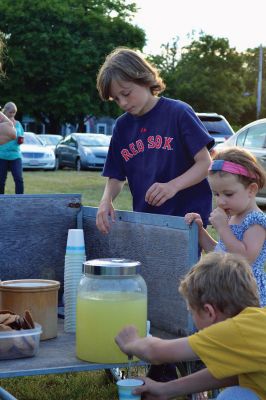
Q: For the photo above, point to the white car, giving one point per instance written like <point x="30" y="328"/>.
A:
<point x="34" y="153"/>
<point x="50" y="140"/>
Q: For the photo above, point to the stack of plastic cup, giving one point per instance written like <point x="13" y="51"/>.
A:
<point x="74" y="259"/>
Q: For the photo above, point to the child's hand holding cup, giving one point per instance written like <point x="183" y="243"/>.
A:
<point x="125" y="388"/>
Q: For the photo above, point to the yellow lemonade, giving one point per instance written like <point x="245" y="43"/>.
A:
<point x="100" y="316"/>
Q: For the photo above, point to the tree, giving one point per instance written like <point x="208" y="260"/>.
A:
<point x="207" y="74"/>
<point x="55" y="48"/>
<point x="251" y="64"/>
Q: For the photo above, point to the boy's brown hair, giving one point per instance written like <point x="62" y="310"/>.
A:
<point x="223" y="280"/>
<point x="124" y="64"/>
<point x="245" y="158"/>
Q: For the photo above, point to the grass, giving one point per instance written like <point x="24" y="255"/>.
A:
<point x="78" y="386"/>
<point x="88" y="183"/>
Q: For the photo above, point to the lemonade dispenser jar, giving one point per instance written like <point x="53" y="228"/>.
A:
<point x="111" y="295"/>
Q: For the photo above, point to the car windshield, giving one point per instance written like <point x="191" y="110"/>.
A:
<point x="53" y="140"/>
<point x="256" y="136"/>
<point x="218" y="127"/>
<point x="94" y="141"/>
<point x="31" y="139"/>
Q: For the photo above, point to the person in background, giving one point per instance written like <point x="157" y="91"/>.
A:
<point x="7" y="129"/>
<point x="10" y="154"/>
<point x="235" y="176"/>
<point x="158" y="145"/>
<point x="221" y="292"/>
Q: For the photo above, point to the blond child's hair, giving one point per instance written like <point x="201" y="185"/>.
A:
<point x="245" y="158"/>
<point x="124" y="64"/>
<point x="223" y="280"/>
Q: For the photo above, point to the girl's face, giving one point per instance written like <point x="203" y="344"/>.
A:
<point x="132" y="98"/>
<point x="230" y="194"/>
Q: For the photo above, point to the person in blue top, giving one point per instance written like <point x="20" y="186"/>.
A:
<point x="10" y="154"/>
<point x="158" y="145"/>
<point x="235" y="177"/>
<point x="7" y="129"/>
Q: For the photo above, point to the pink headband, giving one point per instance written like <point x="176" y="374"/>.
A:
<point x="228" y="166"/>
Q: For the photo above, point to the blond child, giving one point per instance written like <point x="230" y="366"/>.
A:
<point x="221" y="293"/>
<point x="235" y="177"/>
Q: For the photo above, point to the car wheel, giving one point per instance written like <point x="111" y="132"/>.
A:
<point x="78" y="164"/>
<point x="57" y="164"/>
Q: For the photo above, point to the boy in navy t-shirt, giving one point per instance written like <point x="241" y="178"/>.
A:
<point x="158" y="145"/>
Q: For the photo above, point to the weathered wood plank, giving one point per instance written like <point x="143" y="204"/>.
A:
<point x="34" y="232"/>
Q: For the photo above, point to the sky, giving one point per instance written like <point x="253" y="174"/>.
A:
<point x="241" y="22"/>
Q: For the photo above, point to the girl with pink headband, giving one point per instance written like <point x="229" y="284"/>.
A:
<point x="235" y="177"/>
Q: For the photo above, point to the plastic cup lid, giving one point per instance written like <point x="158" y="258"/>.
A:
<point x="129" y="382"/>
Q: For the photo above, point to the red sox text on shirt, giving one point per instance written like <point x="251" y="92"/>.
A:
<point x="151" y="142"/>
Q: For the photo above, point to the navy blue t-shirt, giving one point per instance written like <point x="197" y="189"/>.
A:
<point x="157" y="147"/>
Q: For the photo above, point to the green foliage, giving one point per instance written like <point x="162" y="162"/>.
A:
<point x="251" y="62"/>
<point x="55" y="48"/>
<point x="211" y="76"/>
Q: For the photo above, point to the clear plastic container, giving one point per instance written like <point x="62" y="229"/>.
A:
<point x="20" y="343"/>
<point x="111" y="295"/>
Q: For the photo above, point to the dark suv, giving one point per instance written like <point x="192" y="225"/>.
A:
<point x="217" y="126"/>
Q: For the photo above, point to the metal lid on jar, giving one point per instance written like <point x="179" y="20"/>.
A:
<point x="111" y="267"/>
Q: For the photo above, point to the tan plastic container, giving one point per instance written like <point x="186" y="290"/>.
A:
<point x="40" y="296"/>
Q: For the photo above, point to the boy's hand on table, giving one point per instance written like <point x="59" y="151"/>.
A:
<point x="190" y="217"/>
<point x="105" y="211"/>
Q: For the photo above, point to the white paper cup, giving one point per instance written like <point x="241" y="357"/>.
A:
<point x="75" y="240"/>
<point x="125" y="387"/>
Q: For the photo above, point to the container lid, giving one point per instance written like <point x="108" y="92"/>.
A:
<point x="111" y="267"/>
<point x="31" y="285"/>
